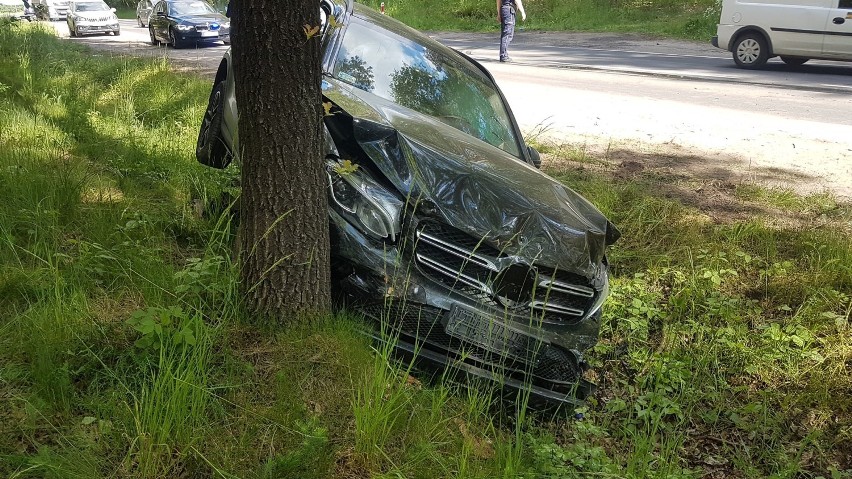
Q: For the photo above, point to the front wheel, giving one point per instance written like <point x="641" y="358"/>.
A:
<point x="209" y="149"/>
<point x="794" y="61"/>
<point x="116" y="33"/>
<point x="173" y="39"/>
<point x="751" y="51"/>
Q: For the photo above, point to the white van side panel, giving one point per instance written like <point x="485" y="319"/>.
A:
<point x="838" y="37"/>
<point x="795" y="27"/>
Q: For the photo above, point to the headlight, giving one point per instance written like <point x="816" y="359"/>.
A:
<point x="184" y="27"/>
<point x="363" y="201"/>
<point x="226" y="25"/>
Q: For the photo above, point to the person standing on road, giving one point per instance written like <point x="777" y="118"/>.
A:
<point x="506" y="17"/>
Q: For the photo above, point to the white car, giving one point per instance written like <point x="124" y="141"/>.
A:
<point x="796" y="30"/>
<point x="91" y="16"/>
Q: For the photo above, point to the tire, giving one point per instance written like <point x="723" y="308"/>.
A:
<point x="154" y="40"/>
<point x="751" y="51"/>
<point x="794" y="61"/>
<point x="116" y="33"/>
<point x="209" y="148"/>
<point x="173" y="41"/>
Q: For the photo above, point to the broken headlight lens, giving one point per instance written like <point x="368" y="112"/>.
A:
<point x="363" y="201"/>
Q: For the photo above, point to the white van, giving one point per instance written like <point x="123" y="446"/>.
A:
<point x="796" y="30"/>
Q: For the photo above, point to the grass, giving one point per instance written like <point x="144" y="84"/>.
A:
<point x="126" y="12"/>
<point x="124" y="353"/>
<point x="695" y="20"/>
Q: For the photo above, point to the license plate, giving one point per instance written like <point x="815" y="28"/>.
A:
<point x="480" y="330"/>
<point x="209" y="34"/>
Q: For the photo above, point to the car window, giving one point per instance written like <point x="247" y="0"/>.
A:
<point x="845" y="4"/>
<point x="425" y="80"/>
<point x="89" y="6"/>
<point x="180" y="9"/>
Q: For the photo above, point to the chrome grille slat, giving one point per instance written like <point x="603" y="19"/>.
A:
<point x="556" y="308"/>
<point x="561" y="287"/>
<point x="463" y="278"/>
<point x="462" y="253"/>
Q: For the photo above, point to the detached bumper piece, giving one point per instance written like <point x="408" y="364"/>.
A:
<point x="479" y="345"/>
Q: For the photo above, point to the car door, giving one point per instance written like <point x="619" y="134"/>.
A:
<point x="796" y="26"/>
<point x="158" y="21"/>
<point x="838" y="31"/>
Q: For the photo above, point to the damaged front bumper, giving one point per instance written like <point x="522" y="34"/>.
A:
<point x="450" y="301"/>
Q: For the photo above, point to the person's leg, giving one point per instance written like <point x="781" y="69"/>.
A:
<point x="507" y="30"/>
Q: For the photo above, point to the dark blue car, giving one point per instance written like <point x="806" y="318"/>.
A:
<point x="181" y="23"/>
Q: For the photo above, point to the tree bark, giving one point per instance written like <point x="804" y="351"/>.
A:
<point x="284" y="208"/>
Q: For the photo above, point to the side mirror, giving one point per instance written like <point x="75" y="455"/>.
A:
<point x="535" y="157"/>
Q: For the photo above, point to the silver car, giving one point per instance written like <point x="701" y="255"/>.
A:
<point x="91" y="16"/>
<point x="143" y="11"/>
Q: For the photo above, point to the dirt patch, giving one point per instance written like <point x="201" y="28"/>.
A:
<point x="710" y="184"/>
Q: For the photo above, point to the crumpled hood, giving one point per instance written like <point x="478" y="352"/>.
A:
<point x="476" y="187"/>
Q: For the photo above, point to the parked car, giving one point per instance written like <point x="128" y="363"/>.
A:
<point x="796" y="30"/>
<point x="17" y="10"/>
<point x="187" y="22"/>
<point x="86" y="17"/>
<point x="143" y="11"/>
<point x="51" y="9"/>
<point x="496" y="268"/>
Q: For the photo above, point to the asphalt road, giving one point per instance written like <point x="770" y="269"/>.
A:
<point x="642" y="55"/>
<point x="653" y="98"/>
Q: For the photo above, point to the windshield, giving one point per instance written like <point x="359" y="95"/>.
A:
<point x="90" y="7"/>
<point x="181" y="9"/>
<point x="425" y="80"/>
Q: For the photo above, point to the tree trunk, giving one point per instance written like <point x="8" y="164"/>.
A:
<point x="284" y="208"/>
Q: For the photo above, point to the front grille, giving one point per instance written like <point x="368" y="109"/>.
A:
<point x="201" y="28"/>
<point x="525" y="358"/>
<point x="480" y="271"/>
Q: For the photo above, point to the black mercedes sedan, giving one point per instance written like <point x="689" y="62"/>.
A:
<point x="446" y="236"/>
<point x="181" y="23"/>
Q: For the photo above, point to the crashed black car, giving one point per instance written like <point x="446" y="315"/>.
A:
<point x="447" y="232"/>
